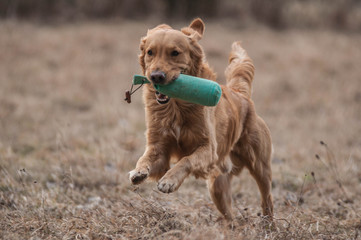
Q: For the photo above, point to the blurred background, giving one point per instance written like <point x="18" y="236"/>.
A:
<point x="342" y="15"/>
<point x="68" y="139"/>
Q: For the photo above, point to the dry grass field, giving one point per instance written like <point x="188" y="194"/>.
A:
<point x="68" y="139"/>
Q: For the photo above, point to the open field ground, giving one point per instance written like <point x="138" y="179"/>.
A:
<point x="68" y="140"/>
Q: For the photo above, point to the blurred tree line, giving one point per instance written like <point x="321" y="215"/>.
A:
<point x="278" y="14"/>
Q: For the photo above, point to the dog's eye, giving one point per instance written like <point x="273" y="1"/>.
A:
<point x="174" y="53"/>
<point x="150" y="53"/>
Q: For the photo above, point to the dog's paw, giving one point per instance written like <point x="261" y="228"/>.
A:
<point x="167" y="185"/>
<point x="137" y="176"/>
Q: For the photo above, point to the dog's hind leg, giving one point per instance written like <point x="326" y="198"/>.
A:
<point x="259" y="166"/>
<point x="262" y="174"/>
<point x="220" y="190"/>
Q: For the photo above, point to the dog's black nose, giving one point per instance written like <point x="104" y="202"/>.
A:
<point x="157" y="77"/>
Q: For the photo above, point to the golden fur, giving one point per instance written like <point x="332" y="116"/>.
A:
<point x="214" y="143"/>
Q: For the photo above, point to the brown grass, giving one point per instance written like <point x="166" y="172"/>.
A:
<point x="67" y="138"/>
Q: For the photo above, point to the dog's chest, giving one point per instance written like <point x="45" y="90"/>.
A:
<point x="173" y="131"/>
<point x="184" y="140"/>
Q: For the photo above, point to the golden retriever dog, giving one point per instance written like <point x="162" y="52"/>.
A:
<point x="213" y="143"/>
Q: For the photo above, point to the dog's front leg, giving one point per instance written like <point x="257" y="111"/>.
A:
<point x="200" y="163"/>
<point x="154" y="163"/>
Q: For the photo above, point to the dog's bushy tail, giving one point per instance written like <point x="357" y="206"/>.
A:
<point x="240" y="71"/>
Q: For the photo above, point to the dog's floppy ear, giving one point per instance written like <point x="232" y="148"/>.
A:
<point x="142" y="53"/>
<point x="198" y="26"/>
<point x="195" y="30"/>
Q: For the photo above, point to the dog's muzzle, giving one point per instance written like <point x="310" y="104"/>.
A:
<point x="161" y="98"/>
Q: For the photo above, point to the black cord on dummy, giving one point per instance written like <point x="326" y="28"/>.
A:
<point x="128" y="94"/>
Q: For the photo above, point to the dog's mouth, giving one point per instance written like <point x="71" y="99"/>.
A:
<point x="161" y="98"/>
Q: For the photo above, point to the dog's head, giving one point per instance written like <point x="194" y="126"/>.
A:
<point x="166" y="52"/>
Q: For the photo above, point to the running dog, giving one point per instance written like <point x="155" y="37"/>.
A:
<point x="213" y="143"/>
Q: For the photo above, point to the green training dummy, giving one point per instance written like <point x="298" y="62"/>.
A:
<point x="188" y="88"/>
